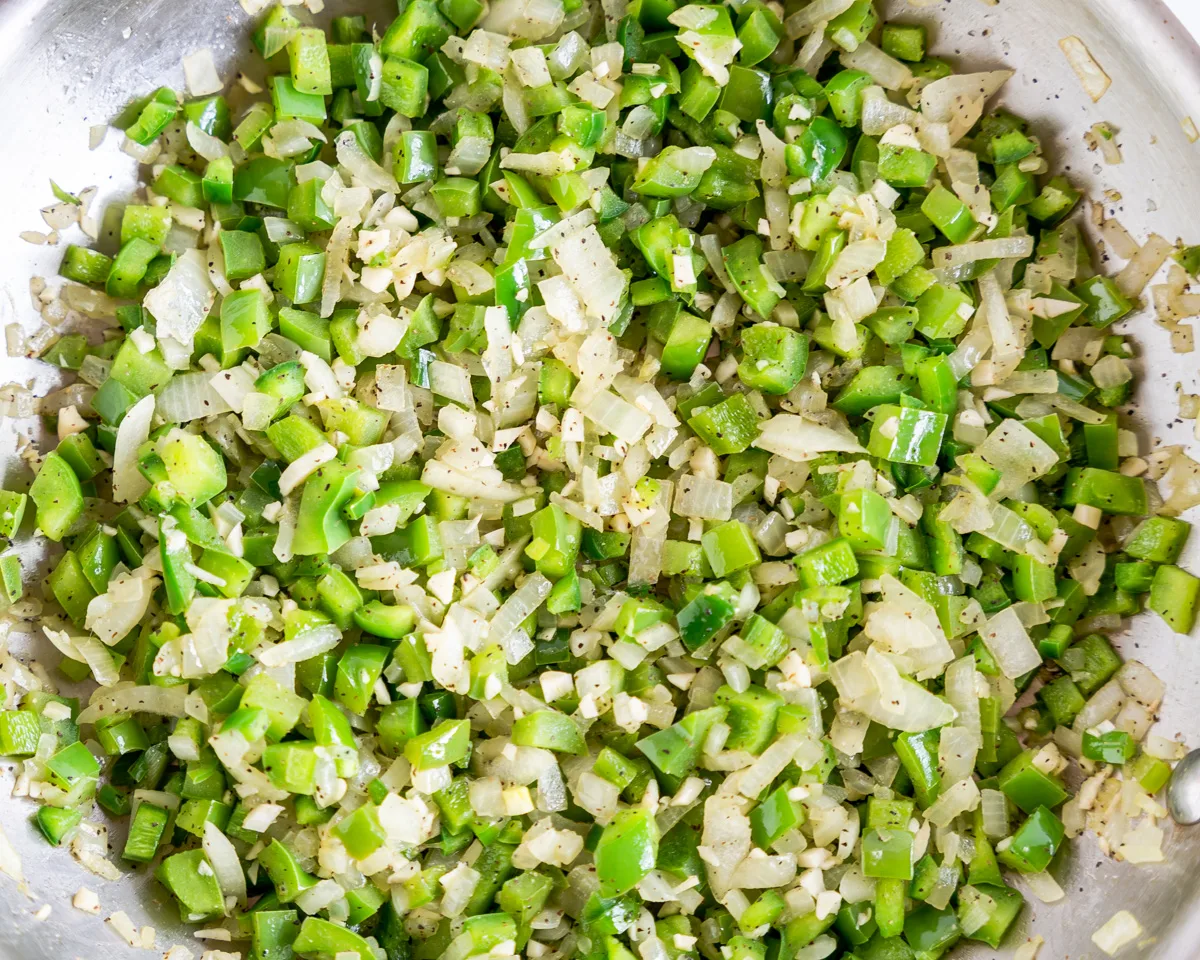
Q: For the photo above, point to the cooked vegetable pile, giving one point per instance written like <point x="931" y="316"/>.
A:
<point x="628" y="482"/>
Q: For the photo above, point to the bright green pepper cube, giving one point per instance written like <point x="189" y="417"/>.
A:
<point x="12" y="508"/>
<point x="58" y="823"/>
<point x="416" y="156"/>
<point x="1001" y="907"/>
<point x="773" y="358"/>
<point x="398" y="723"/>
<point x="293" y="104"/>
<point x="322" y="527"/>
<point x="72" y="766"/>
<point x="549" y="730"/>
<point x="1032" y="580"/>
<point x="1035" y="843"/>
<point x="194" y="468"/>
<point x="148" y="223"/>
<point x="1029" y="788"/>
<point x="300" y="271"/>
<point x="1150" y="772"/>
<point x="308" y="55"/>
<point x="308" y="331"/>
<point x="827" y="565"/>
<point x="404" y="86"/>
<point x="1109" y="492"/>
<point x="627" y="851"/>
<point x="217" y="184"/>
<point x="291" y="766"/>
<point x="705" y="614"/>
<point x="638" y="614"/>
<point x="889" y="814"/>
<point x="907" y="435"/>
<point x="730" y="547"/>
<point x="85" y="266"/>
<point x="129" y="268"/>
<point x="1103" y="300"/>
<point x="263" y="180"/>
<point x="1061" y="697"/>
<point x="751" y="718"/>
<point x="612" y="766"/>
<point x="20" y="731"/>
<point x="1159" y="539"/>
<point x="1057" y="199"/>
<point x="58" y="497"/>
<point x="446" y="743"/>
<point x="245" y="319"/>
<point x="667" y="174"/>
<point x="820" y="150"/>
<point x="865" y="519"/>
<point x="759" y="34"/>
<point x="307" y="207"/>
<point x="844" y="92"/>
<point x="743" y="262"/>
<point x="1173" y="596"/>
<point x="243" y="254"/>
<point x="1091" y="662"/>
<point x="160" y="109"/>
<point x="361" y="832"/>
<point x="904" y="167"/>
<point x="686" y="345"/>
<point x="930" y="931"/>
<point x="774" y="817"/>
<point x="190" y="877"/>
<point x="768" y="643"/>
<point x="943" y="312"/>
<point x="904" y="41"/>
<point x="887" y="854"/>
<point x="728" y="427"/>
<point x="1116" y="747"/>
<point x="358" y="670"/>
<point x="418" y="31"/>
<point x="456" y="196"/>
<point x="675" y="750"/>
<point x="281" y="706"/>
<point x="556" y="535"/>
<point x="950" y="215"/>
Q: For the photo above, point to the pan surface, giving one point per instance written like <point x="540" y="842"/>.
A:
<point x="68" y="64"/>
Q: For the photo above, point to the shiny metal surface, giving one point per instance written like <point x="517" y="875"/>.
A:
<point x="1183" y="792"/>
<point x="67" y="64"/>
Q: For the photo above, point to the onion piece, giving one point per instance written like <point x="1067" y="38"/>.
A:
<point x="200" y="73"/>
<point x="225" y="862"/>
<point x="1121" y="929"/>
<point x="1092" y="78"/>
<point x="885" y="70"/>
<point x="799" y="439"/>
<point x="940" y="99"/>
<point x="355" y="159"/>
<point x="163" y="701"/>
<point x="1006" y="639"/>
<point x="128" y="482"/>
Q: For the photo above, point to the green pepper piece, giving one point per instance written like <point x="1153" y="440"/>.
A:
<point x="549" y="730"/>
<point x="190" y="877"/>
<point x="1173" y="596"/>
<point x="743" y="262"/>
<point x="58" y="497"/>
<point x="448" y="742"/>
<point x="626" y="852"/>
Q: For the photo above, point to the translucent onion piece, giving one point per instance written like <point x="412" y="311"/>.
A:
<point x="225" y="862"/>
<point x="1006" y="639"/>
<point x="162" y="701"/>
<point x="128" y="482"/>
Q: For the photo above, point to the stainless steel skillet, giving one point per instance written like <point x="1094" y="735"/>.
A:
<point x="68" y="64"/>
